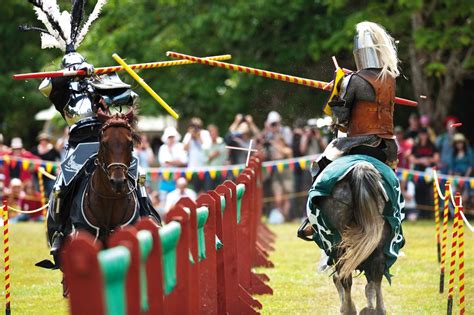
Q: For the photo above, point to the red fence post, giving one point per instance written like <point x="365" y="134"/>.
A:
<point x="208" y="267"/>
<point x="128" y="238"/>
<point x="179" y="300"/>
<point x="154" y="268"/>
<point x="220" y="257"/>
<point x="83" y="275"/>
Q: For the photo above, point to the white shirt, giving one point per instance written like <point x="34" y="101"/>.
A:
<point x="196" y="154"/>
<point x="173" y="197"/>
<point x="167" y="154"/>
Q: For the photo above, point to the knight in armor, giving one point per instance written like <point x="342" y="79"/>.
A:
<point x="364" y="107"/>
<point x="78" y="99"/>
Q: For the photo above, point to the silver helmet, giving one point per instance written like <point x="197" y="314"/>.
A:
<point x="365" y="52"/>
<point x="72" y="59"/>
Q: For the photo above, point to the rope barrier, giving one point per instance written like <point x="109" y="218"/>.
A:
<point x="440" y="194"/>
<point x="44" y="173"/>
<point x="29" y="211"/>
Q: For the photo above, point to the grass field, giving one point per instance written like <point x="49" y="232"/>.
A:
<point x="298" y="289"/>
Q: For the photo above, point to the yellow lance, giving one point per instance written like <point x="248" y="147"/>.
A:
<point x="145" y="86"/>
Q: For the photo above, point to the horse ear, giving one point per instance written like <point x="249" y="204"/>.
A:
<point x="130" y="115"/>
<point x="102" y="116"/>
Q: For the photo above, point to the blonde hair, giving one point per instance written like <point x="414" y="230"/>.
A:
<point x="384" y="44"/>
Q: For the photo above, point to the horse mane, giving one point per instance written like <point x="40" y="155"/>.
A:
<point x="128" y="120"/>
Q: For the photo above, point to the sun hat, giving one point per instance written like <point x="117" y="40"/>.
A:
<point x="170" y="132"/>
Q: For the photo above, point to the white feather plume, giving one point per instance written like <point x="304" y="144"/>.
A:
<point x="92" y="17"/>
<point x="64" y="21"/>
<point x="384" y="45"/>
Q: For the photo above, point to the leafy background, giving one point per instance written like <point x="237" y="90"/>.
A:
<point x="296" y="37"/>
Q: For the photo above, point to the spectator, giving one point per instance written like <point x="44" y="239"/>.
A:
<point x="444" y="144"/>
<point x="312" y="142"/>
<point x="404" y="148"/>
<point x="281" y="181"/>
<point x="4" y="149"/>
<point x="425" y="123"/>
<point x="2" y="185"/>
<point x="15" y="168"/>
<point x="461" y="161"/>
<point x="62" y="142"/>
<point x="424" y="155"/>
<point x="14" y="195"/>
<point x="144" y="152"/>
<point x="273" y="128"/>
<point x="408" y="190"/>
<point x="47" y="152"/>
<point x="196" y="141"/>
<point x="171" y="154"/>
<point x="216" y="155"/>
<point x="181" y="191"/>
<point x="413" y="126"/>
<point x="241" y="131"/>
<point x="29" y="202"/>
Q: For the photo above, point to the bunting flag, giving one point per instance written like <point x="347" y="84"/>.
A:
<point x="222" y="172"/>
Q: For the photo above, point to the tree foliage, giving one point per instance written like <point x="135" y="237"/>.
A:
<point x="295" y="37"/>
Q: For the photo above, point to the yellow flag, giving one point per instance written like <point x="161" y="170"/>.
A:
<point x="212" y="173"/>
<point x="49" y="167"/>
<point x="189" y="175"/>
<point x="280" y="167"/>
<point x="302" y="163"/>
<point x="166" y="175"/>
<point x="235" y="171"/>
<point x="25" y="164"/>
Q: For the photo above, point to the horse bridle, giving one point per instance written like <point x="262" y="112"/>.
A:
<point x="106" y="167"/>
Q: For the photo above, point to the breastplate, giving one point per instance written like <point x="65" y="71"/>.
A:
<point x="80" y="103"/>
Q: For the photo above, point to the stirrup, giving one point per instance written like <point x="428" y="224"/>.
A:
<point x="301" y="231"/>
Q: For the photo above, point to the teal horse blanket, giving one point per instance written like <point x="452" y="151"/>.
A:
<point x="327" y="237"/>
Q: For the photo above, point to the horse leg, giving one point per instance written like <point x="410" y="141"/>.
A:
<point x="344" y="288"/>
<point x="374" y="269"/>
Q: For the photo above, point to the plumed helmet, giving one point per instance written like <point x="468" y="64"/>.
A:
<point x="71" y="59"/>
<point x="375" y="48"/>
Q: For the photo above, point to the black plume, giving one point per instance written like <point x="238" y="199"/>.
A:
<point x="26" y="28"/>
<point x="77" y="14"/>
<point x="51" y="20"/>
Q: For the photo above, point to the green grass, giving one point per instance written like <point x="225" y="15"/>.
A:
<point x="298" y="288"/>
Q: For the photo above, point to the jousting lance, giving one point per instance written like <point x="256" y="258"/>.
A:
<point x="147" y="88"/>
<point x="271" y="75"/>
<point x="102" y="70"/>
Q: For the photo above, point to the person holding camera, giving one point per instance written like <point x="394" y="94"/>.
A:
<point x="196" y="141"/>
<point x="241" y="131"/>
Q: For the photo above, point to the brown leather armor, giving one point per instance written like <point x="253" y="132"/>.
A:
<point x="374" y="117"/>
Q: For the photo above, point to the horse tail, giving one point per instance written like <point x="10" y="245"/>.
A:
<point x="363" y="236"/>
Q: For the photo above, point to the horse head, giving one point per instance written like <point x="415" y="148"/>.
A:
<point x="117" y="137"/>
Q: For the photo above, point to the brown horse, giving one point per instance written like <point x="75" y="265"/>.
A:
<point x="109" y="200"/>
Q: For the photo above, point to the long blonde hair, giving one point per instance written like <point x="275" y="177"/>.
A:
<point x="384" y="44"/>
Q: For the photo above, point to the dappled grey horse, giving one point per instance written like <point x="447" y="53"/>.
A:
<point x="354" y="208"/>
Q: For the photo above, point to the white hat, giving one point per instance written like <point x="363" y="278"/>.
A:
<point x="15" y="182"/>
<point x="16" y="143"/>
<point x="273" y="117"/>
<point x="170" y="132"/>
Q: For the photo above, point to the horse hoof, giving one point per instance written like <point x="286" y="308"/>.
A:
<point x="370" y="311"/>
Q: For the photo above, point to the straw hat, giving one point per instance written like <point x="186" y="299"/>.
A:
<point x="170" y="132"/>
<point x="459" y="137"/>
<point x="16" y="143"/>
<point x="43" y="136"/>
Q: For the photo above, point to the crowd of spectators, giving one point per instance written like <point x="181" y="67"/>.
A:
<point x="419" y="149"/>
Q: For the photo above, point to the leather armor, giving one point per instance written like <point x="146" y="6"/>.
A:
<point x="374" y="117"/>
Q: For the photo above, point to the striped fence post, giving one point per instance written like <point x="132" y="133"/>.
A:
<point x="452" y="263"/>
<point x="6" y="258"/>
<point x="462" y="297"/>
<point x="436" y="216"/>
<point x="444" y="238"/>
